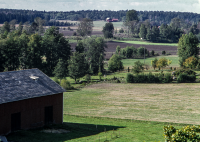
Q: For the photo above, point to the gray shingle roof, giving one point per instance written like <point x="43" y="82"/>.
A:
<point x="24" y="84"/>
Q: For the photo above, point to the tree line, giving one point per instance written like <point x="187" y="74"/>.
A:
<point x="154" y="17"/>
<point x="51" y="53"/>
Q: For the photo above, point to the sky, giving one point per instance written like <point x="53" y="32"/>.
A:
<point x="69" y="5"/>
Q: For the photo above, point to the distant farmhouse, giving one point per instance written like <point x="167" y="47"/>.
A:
<point x="111" y="20"/>
<point x="29" y="99"/>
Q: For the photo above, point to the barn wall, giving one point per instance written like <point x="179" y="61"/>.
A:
<point x="32" y="112"/>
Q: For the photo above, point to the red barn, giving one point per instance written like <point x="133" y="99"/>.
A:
<point x="29" y="99"/>
<point x="115" y="20"/>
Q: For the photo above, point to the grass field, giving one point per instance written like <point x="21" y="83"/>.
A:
<point x="152" y="102"/>
<point x="130" y="62"/>
<point x="147" y="43"/>
<point x="122" y="113"/>
<point x="91" y="129"/>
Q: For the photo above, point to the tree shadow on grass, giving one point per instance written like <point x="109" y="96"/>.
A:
<point x="76" y="130"/>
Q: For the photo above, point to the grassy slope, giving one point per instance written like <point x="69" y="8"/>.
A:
<point x="147" y="43"/>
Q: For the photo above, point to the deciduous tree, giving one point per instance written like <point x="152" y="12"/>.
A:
<point x="187" y="47"/>
<point x="115" y="63"/>
<point x="85" y="27"/>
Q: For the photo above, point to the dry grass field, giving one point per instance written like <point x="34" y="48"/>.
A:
<point x="177" y="103"/>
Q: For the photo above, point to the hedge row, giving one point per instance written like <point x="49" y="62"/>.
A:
<point x="149" y="78"/>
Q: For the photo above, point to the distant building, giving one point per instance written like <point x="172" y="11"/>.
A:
<point x="29" y="99"/>
<point x="111" y="20"/>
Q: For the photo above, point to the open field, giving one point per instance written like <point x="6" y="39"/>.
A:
<point x="178" y="103"/>
<point x="148" y="43"/>
<point x="157" y="48"/>
<point x="130" y="62"/>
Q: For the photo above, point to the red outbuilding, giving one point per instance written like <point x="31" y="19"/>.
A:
<point x="29" y="99"/>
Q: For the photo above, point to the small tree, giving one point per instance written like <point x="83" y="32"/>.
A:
<point x="115" y="63"/>
<point x="88" y="78"/>
<point x="191" y="62"/>
<point x="162" y="62"/>
<point x="100" y="75"/>
<point x="154" y="63"/>
<point x="118" y="48"/>
<point x="121" y="30"/>
<point x="138" y="67"/>
<point x="163" y="52"/>
<point x="141" y="51"/>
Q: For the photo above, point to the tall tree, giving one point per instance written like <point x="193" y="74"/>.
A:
<point x="35" y="51"/>
<point x="11" y="52"/>
<point x="24" y="50"/>
<point x="187" y="47"/>
<point x="143" y="32"/>
<point x="95" y="47"/>
<point x="85" y="27"/>
<point x="55" y="47"/>
<point x="108" y="30"/>
<point x="5" y="27"/>
<point x="61" y="70"/>
<point x="131" y="15"/>
<point x="78" y="67"/>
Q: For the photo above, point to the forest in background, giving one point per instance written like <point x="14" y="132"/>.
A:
<point x="155" y="17"/>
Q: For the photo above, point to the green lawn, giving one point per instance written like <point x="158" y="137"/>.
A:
<point x="92" y="129"/>
<point x="147" y="43"/>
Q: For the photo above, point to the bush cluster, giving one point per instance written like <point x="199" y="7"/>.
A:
<point x="149" y="78"/>
<point x="182" y="78"/>
<point x="186" y="71"/>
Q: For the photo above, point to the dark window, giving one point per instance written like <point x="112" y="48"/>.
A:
<point x="48" y="116"/>
<point x="15" y="121"/>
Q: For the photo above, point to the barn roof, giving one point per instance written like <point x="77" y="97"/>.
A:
<point x="26" y="84"/>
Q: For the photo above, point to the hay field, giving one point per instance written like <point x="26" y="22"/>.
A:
<point x="176" y="103"/>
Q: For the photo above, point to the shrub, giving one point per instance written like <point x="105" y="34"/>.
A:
<point x="74" y="34"/>
<point x="100" y="75"/>
<point x="56" y="80"/>
<point x="121" y="30"/>
<point x="167" y="78"/>
<point x="152" y="53"/>
<point x="191" y="62"/>
<point x="129" y="78"/>
<point x="66" y="84"/>
<point x="186" y="71"/>
<point x="138" y="67"/>
<point x="182" y="78"/>
<point x="88" y="78"/>
<point x="163" y="52"/>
